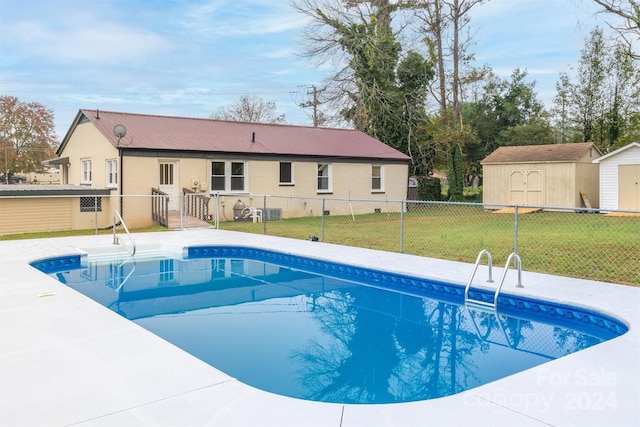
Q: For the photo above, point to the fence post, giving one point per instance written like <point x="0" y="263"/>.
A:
<point x="95" y="212"/>
<point x="181" y="201"/>
<point x="515" y="231"/>
<point x="322" y="223"/>
<point x="402" y="207"/>
<point x="217" y="209"/>
<point x="264" y="215"/>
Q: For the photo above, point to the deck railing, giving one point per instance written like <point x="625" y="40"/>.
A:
<point x="160" y="207"/>
<point x="196" y="204"/>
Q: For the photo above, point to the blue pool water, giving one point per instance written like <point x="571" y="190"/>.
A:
<point x="330" y="332"/>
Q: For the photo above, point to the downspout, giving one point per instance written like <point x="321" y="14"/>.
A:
<point x="121" y="182"/>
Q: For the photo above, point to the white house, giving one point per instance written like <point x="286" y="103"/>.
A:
<point x="620" y="178"/>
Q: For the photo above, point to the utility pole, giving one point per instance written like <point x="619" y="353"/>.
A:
<point x="314" y="92"/>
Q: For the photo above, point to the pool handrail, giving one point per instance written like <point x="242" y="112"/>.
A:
<point x="117" y="219"/>
<point x="513" y="256"/>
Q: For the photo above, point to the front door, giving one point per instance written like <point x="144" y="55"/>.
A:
<point x="629" y="187"/>
<point x="168" y="182"/>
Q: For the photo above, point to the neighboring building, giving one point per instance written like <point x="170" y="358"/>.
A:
<point x="33" y="208"/>
<point x="234" y="159"/>
<point x="620" y="178"/>
<point x="542" y="175"/>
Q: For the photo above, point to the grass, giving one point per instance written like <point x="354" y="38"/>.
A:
<point x="589" y="246"/>
<point x="67" y="233"/>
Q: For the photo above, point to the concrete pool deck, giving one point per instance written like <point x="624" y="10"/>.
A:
<point x="66" y="360"/>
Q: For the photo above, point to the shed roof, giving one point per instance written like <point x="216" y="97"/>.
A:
<point x="539" y="153"/>
<point x="618" y="151"/>
<point x="154" y="132"/>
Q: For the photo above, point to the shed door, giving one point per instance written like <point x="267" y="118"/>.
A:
<point x="629" y="187"/>
<point x="168" y="182"/>
<point x="526" y="187"/>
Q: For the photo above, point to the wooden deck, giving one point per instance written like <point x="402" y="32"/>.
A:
<point x="190" y="222"/>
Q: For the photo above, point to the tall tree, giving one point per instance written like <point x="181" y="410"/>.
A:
<point x="27" y="135"/>
<point x="603" y="98"/>
<point x="251" y="109"/>
<point x="446" y="23"/>
<point x="379" y="89"/>
<point x="629" y="29"/>
<point x="504" y="112"/>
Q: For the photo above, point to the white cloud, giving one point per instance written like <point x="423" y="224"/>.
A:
<point x="94" y="41"/>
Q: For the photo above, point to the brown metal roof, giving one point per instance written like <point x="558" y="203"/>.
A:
<point x="209" y="135"/>
<point x="540" y="153"/>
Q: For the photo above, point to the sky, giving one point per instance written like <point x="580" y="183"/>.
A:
<point x="191" y="57"/>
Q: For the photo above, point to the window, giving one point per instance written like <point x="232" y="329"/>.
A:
<point x="166" y="174"/>
<point x="324" y="178"/>
<point x="90" y="204"/>
<point x="228" y="176"/>
<point x="166" y="270"/>
<point x="237" y="176"/>
<point x="85" y="171"/>
<point x="377" y="179"/>
<point x="286" y="173"/>
<point x="112" y="173"/>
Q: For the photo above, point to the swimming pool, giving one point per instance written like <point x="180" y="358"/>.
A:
<point x="327" y="331"/>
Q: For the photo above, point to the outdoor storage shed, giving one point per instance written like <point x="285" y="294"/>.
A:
<point x="620" y="178"/>
<point x="556" y="175"/>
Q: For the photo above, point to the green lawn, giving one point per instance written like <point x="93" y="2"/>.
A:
<point x="590" y="246"/>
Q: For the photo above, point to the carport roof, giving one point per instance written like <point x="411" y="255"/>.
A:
<point x="540" y="153"/>
<point x="34" y="190"/>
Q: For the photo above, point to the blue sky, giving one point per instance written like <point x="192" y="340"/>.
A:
<point x="190" y="57"/>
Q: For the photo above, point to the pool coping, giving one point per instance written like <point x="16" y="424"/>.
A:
<point x="66" y="360"/>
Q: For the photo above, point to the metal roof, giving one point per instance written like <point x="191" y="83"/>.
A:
<point x="35" y="190"/>
<point x="152" y="132"/>
<point x="540" y="153"/>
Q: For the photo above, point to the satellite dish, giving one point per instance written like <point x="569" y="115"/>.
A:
<point x="119" y="131"/>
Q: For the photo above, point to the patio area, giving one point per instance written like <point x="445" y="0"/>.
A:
<point x="66" y="360"/>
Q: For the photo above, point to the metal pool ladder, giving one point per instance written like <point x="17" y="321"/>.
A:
<point x="514" y="256"/>
<point x="116" y="239"/>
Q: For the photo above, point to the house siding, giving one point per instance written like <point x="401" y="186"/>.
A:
<point x="609" y="176"/>
<point x="34" y="215"/>
<point x="350" y="180"/>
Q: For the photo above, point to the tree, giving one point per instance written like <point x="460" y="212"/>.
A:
<point x="445" y="22"/>
<point x="600" y="103"/>
<point x="27" y="135"/>
<point x="629" y="30"/>
<point x="503" y="112"/>
<point x="251" y="109"/>
<point x="379" y="89"/>
<point x="455" y="173"/>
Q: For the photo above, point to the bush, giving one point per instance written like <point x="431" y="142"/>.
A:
<point x="429" y="188"/>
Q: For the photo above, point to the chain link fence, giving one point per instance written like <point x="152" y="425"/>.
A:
<point x="583" y="243"/>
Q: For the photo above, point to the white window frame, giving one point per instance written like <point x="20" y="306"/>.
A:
<point x="380" y="189"/>
<point x="111" y="172"/>
<point x="85" y="171"/>
<point x="329" y="176"/>
<point x="228" y="177"/>
<point x="284" y="183"/>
